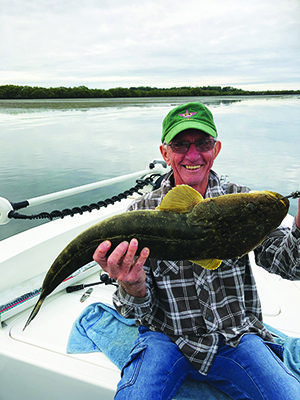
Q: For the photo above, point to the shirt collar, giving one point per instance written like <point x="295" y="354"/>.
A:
<point x="214" y="187"/>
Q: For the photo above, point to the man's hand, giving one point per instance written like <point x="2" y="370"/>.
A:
<point x="298" y="215"/>
<point x="124" y="265"/>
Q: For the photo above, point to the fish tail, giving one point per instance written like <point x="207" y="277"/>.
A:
<point x="34" y="312"/>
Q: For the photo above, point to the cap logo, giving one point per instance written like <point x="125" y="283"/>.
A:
<point x="187" y="114"/>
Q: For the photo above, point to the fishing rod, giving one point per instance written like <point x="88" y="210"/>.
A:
<point x="7" y="208"/>
<point x="293" y="195"/>
<point x="104" y="278"/>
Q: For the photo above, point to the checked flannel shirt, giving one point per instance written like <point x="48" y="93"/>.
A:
<point x="197" y="307"/>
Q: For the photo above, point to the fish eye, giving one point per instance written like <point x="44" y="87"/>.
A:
<point x="250" y="206"/>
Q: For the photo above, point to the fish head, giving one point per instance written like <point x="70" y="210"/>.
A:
<point x="269" y="203"/>
<point x="253" y="208"/>
<point x="239" y="222"/>
<point x="263" y="210"/>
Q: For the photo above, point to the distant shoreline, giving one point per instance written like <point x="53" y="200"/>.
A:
<point x="15" y="92"/>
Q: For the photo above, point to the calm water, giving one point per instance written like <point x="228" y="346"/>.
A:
<point x="52" y="145"/>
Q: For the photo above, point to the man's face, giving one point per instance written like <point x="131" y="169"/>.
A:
<point x="191" y="168"/>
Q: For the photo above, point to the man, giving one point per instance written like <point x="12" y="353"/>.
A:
<point x="193" y="322"/>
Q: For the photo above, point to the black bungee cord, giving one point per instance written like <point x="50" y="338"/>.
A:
<point x="140" y="184"/>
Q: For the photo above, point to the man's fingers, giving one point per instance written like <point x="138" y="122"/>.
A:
<point x="143" y="256"/>
<point x="123" y="263"/>
<point x="115" y="260"/>
<point x="128" y="259"/>
<point x="298" y="215"/>
<point x="135" y="273"/>
<point x="100" y="253"/>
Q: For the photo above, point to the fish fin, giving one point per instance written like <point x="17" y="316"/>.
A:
<point x="34" y="312"/>
<point x="212" y="263"/>
<point x="181" y="199"/>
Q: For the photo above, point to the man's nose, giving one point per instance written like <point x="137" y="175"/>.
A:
<point x="192" y="152"/>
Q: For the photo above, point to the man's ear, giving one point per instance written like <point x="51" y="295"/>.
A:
<point x="164" y="152"/>
<point x="217" y="149"/>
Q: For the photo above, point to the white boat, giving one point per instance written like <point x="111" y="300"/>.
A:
<point x="33" y="363"/>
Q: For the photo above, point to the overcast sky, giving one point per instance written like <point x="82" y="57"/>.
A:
<point x="251" y="44"/>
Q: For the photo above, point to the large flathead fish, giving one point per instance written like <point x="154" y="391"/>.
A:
<point x="183" y="227"/>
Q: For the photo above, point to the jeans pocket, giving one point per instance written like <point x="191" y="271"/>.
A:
<point x="276" y="348"/>
<point x="132" y="366"/>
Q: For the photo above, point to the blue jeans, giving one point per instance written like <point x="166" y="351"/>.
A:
<point x="156" y="369"/>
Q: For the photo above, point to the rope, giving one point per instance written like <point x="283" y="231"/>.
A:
<point x="140" y="183"/>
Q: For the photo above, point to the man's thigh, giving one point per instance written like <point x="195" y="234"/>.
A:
<point x="155" y="369"/>
<point x="252" y="369"/>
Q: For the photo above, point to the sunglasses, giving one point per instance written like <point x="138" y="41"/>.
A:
<point x="202" y="146"/>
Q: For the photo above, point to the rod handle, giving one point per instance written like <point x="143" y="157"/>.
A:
<point x="71" y="289"/>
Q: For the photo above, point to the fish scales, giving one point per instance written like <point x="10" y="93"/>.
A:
<point x="219" y="228"/>
<point x="235" y="224"/>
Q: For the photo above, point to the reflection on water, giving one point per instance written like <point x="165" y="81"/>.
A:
<point x="7" y="106"/>
<point x="51" y="145"/>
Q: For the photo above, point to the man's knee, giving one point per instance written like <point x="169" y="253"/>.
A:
<point x="153" y="369"/>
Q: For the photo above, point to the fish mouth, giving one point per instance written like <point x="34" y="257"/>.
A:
<point x="279" y="198"/>
<point x="192" y="167"/>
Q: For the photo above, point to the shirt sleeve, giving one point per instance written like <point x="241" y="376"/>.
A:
<point x="136" y="307"/>
<point x="280" y="253"/>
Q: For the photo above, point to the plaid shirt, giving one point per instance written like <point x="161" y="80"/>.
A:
<point x="197" y="307"/>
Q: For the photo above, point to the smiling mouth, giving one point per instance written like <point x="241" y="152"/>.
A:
<point x="192" y="167"/>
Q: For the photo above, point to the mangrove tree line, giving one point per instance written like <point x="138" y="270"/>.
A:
<point x="35" y="92"/>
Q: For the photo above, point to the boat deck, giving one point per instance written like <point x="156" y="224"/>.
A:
<point x="38" y="355"/>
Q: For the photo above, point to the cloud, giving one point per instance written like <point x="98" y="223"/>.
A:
<point x="161" y="43"/>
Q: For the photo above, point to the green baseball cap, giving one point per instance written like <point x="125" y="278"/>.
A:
<point x="188" y="116"/>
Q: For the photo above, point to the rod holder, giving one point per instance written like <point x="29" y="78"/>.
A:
<point x="5" y="209"/>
